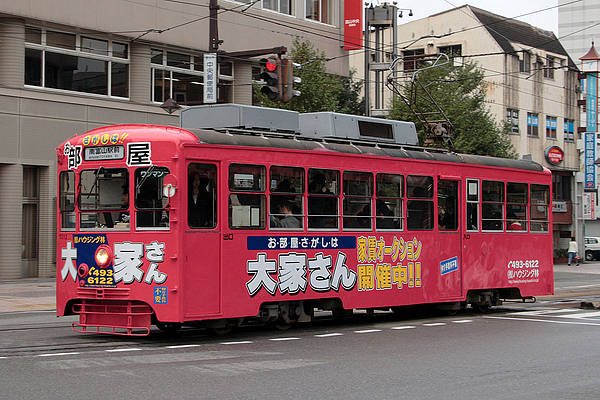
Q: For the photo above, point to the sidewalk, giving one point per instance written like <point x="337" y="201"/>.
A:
<point x="30" y="294"/>
<point x="38" y="294"/>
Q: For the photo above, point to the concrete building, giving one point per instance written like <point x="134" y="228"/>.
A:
<point x="70" y="66"/>
<point x="578" y="25"/>
<point x="531" y="83"/>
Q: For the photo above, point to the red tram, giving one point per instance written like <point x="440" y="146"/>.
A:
<point x="218" y="225"/>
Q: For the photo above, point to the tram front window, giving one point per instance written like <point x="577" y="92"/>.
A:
<point x="103" y="198"/>
<point x="149" y="200"/>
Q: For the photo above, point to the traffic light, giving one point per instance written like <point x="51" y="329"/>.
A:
<point x="272" y="76"/>
<point x="289" y="79"/>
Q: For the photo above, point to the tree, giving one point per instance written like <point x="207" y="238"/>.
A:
<point x="460" y="93"/>
<point x="320" y="90"/>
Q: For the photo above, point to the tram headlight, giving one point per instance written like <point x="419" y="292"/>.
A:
<point x="103" y="256"/>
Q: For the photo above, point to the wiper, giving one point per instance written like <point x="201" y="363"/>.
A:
<point x="97" y="173"/>
<point x="148" y="172"/>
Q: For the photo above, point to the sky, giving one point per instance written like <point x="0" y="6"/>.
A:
<point x="547" y="20"/>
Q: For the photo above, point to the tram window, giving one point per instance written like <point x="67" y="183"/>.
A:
<point x="492" y="206"/>
<point x="358" y="193"/>
<point x="447" y="205"/>
<point x="472" y="205"/>
<point x="247" y="210"/>
<point x="323" y="191"/>
<point x="149" y="200"/>
<point x="247" y="178"/>
<point x="106" y="192"/>
<point x="286" y="205"/>
<point x="540" y="200"/>
<point x="516" y="206"/>
<point x="67" y="199"/>
<point x="202" y="196"/>
<point x="419" y="206"/>
<point x="388" y="206"/>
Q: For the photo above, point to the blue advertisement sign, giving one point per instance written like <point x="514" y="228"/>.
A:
<point x="590" y="157"/>
<point x="592" y="102"/>
<point x="300" y="242"/>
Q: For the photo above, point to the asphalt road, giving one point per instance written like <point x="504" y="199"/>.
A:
<point x="545" y="350"/>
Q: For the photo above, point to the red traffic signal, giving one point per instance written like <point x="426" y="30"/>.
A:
<point x="272" y="77"/>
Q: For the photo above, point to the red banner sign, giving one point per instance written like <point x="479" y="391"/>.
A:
<point x="353" y="25"/>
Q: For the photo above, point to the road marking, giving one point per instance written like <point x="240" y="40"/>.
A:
<point x="578" y="287"/>
<point x="119" y="350"/>
<point x="182" y="346"/>
<point x="546" y="320"/>
<point x="581" y="315"/>
<point x="58" y="354"/>
<point x="2" y="358"/>
<point x="368" y="331"/>
<point x="240" y="342"/>
<point x="435" y="324"/>
<point x="544" y="311"/>
<point x="404" y="327"/>
<point x="282" y="339"/>
<point x="329" y="334"/>
<point x="462" y="321"/>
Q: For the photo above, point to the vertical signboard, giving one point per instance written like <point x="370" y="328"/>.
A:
<point x="210" y="78"/>
<point x="590" y="157"/>
<point x="589" y="206"/>
<point x="352" y="24"/>
<point x="591" y="104"/>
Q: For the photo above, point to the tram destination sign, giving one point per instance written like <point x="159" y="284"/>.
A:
<point x="98" y="153"/>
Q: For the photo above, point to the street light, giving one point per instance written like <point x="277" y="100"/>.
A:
<point x="410" y="13"/>
<point x="170" y="106"/>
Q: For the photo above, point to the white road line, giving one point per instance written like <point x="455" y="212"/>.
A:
<point x="182" y="346"/>
<point x="119" y="350"/>
<point x="546" y="320"/>
<point x="580" y="315"/>
<point x="368" y="331"/>
<point x="578" y="287"/>
<point x="58" y="354"/>
<point x="329" y="334"/>
<point x="2" y="358"/>
<point x="462" y="321"/>
<point x="240" y="342"/>
<point x="282" y="339"/>
<point x="435" y="324"/>
<point x="398" y="328"/>
<point x="543" y="312"/>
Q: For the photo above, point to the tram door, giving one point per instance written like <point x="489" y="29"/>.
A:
<point x="201" y="244"/>
<point x="450" y="234"/>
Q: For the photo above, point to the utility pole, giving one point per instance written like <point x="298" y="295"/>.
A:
<point x="213" y="27"/>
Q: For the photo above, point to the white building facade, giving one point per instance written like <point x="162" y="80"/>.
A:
<point x="531" y="82"/>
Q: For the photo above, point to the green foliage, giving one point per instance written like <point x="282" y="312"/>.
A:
<point x="320" y="91"/>
<point x="460" y="92"/>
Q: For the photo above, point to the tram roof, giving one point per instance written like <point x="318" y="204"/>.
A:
<point x="266" y="139"/>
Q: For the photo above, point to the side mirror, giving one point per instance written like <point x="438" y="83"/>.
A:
<point x="169" y="186"/>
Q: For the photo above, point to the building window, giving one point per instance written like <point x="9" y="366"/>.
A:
<point x="451" y="51"/>
<point x="410" y="59"/>
<point x="549" y="69"/>
<point x="532" y="124"/>
<point x="74" y="62"/>
<point x="569" y="130"/>
<point x="561" y="187"/>
<point x="512" y="117"/>
<point x="551" y="127"/>
<point x="320" y="10"/>
<point x="525" y="62"/>
<point x="282" y="6"/>
<point x="180" y="77"/>
<point x="30" y="220"/>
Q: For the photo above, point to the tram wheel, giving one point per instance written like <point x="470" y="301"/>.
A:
<point x="168" y="327"/>
<point x="282" y="325"/>
<point x="481" y="308"/>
